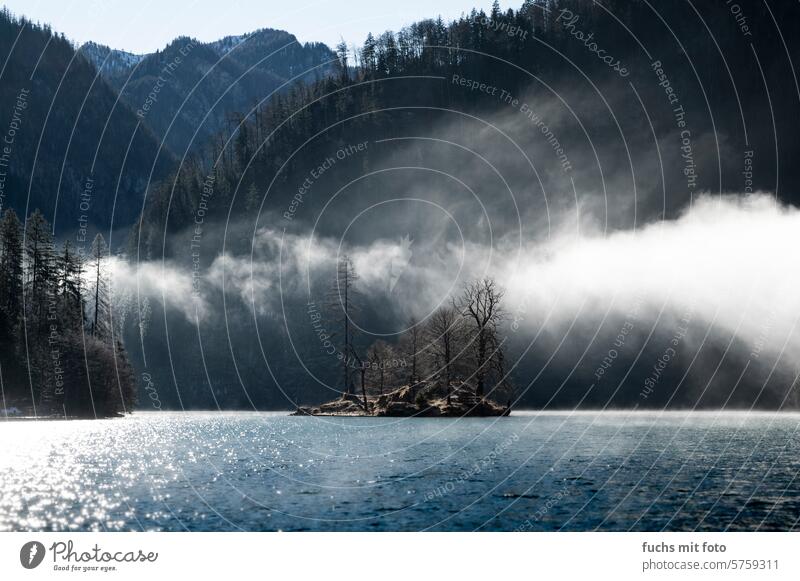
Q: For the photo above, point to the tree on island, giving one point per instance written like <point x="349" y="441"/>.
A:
<point x="70" y="266"/>
<point x="411" y="349"/>
<point x="379" y="357"/>
<point x="442" y="337"/>
<point x="479" y="304"/>
<point x="362" y="366"/>
<point x="342" y="299"/>
<point x="457" y="357"/>
<point x="459" y="343"/>
<point x="39" y="261"/>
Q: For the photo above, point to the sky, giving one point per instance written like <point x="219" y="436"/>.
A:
<point x="147" y="25"/>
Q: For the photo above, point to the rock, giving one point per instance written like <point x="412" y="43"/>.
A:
<point x="420" y="400"/>
<point x="398" y="409"/>
<point x="342" y="406"/>
<point x="407" y="394"/>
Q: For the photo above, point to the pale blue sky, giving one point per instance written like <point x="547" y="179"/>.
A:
<point x="144" y="26"/>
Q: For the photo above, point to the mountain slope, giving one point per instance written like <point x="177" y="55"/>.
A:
<point x="73" y="149"/>
<point x="109" y="61"/>
<point x="192" y="88"/>
<point x="538" y="130"/>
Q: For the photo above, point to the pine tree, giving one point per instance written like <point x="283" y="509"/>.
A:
<point x="342" y="53"/>
<point x="252" y="199"/>
<point x="10" y="266"/>
<point x="368" y="54"/>
<point x="39" y="308"/>
<point x="242" y="145"/>
<point x="101" y="315"/>
<point x="10" y="291"/>
<point x="40" y="267"/>
<point x="70" y="274"/>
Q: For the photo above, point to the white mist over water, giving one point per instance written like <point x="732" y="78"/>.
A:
<point x="731" y="260"/>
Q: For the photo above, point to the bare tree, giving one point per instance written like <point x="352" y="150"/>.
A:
<point x="363" y="365"/>
<point x="102" y="316"/>
<point x="480" y="305"/>
<point x="410" y="347"/>
<point x="442" y="338"/>
<point x="380" y="359"/>
<point x="342" y="299"/>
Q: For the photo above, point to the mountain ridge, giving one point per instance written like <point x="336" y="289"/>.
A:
<point x="199" y="85"/>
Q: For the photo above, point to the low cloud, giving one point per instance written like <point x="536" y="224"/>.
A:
<point x="730" y="260"/>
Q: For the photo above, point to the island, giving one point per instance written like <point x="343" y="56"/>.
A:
<point x="419" y="400"/>
<point x="451" y="364"/>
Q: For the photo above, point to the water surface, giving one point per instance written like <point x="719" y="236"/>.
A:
<point x="532" y="471"/>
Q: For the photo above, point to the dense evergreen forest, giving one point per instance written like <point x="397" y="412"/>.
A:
<point x="60" y="353"/>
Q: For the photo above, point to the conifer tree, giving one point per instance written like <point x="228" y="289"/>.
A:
<point x="10" y="266"/>
<point x="70" y="274"/>
<point x="40" y="268"/>
<point x="101" y="316"/>
<point x="10" y="290"/>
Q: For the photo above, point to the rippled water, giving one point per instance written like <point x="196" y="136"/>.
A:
<point x="231" y="471"/>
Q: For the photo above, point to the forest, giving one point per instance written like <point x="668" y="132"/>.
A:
<point x="60" y="350"/>
<point x="393" y="85"/>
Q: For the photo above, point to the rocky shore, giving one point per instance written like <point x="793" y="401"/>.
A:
<point x="409" y="401"/>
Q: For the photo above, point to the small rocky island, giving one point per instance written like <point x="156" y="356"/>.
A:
<point x="452" y="364"/>
<point x="419" y="400"/>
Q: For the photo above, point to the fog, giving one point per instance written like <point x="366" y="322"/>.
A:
<point x="725" y="260"/>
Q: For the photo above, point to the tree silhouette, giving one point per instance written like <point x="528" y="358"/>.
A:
<point x="480" y="305"/>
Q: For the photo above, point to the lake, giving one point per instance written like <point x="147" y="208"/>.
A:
<point x="207" y="471"/>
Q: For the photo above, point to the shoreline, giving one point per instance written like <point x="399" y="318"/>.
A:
<point x="409" y="401"/>
<point x="515" y="412"/>
<point x="4" y="418"/>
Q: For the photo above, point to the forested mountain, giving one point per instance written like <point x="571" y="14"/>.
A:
<point x="72" y="148"/>
<point x="412" y="81"/>
<point x="188" y="91"/>
<point x="489" y="131"/>
<point x="86" y="146"/>
<point x="627" y="126"/>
